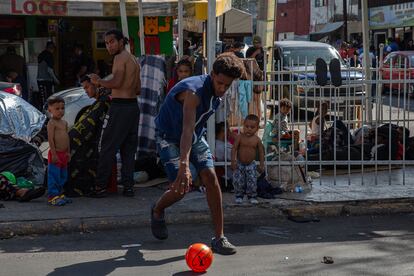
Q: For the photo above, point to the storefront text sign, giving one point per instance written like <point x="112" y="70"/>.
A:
<point x="38" y="7"/>
<point x="392" y="16"/>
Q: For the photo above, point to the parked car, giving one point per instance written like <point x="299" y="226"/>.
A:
<point x="12" y="88"/>
<point x="298" y="59"/>
<point x="398" y="67"/>
<point x="76" y="102"/>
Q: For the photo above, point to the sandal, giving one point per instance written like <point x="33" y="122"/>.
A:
<point x="66" y="199"/>
<point x="98" y="193"/>
<point x="56" y="201"/>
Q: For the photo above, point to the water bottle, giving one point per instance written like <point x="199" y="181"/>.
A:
<point x="298" y="189"/>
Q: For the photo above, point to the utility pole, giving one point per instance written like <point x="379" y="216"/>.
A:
<point x="345" y="12"/>
<point x="367" y="69"/>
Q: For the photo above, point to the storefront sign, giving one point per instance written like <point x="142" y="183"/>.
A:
<point x="38" y="7"/>
<point x="392" y="16"/>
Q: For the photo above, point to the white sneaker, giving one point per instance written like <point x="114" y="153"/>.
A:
<point x="254" y="201"/>
<point x="239" y="200"/>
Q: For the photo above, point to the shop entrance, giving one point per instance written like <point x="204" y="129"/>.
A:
<point x="73" y="31"/>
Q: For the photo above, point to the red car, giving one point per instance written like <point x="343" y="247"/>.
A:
<point x="398" y="67"/>
<point x="12" y="88"/>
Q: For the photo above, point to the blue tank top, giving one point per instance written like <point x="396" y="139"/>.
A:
<point x="169" y="121"/>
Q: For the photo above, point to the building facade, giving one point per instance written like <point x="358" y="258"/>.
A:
<point x="391" y="18"/>
<point x="292" y="20"/>
<point x="325" y="12"/>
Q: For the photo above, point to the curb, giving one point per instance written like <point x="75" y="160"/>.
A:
<point x="352" y="208"/>
<point x="91" y="224"/>
<point x="232" y="214"/>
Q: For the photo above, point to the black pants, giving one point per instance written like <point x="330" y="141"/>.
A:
<point x="120" y="133"/>
<point x="45" y="91"/>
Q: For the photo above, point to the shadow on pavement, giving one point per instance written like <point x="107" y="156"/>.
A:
<point x="132" y="258"/>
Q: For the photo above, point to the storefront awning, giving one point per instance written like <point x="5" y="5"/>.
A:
<point x="104" y="8"/>
<point x="328" y="28"/>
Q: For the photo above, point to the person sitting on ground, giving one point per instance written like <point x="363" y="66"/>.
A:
<point x="184" y="69"/>
<point x="318" y="123"/>
<point x="267" y="138"/>
<point x="84" y="140"/>
<point x="243" y="160"/>
<point x="281" y="122"/>
<point x="10" y="190"/>
<point x="222" y="144"/>
<point x="59" y="152"/>
<point x="222" y="147"/>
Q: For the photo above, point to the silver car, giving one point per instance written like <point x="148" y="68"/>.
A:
<point x="76" y="102"/>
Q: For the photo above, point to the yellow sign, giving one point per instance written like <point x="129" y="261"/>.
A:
<point x="201" y="8"/>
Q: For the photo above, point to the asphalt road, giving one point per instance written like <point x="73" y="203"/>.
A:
<point x="358" y="246"/>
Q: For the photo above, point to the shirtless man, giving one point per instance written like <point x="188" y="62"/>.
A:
<point x="243" y="160"/>
<point x="121" y="131"/>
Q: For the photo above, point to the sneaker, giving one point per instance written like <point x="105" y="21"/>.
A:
<point x="158" y="226"/>
<point x="239" y="200"/>
<point x="222" y="246"/>
<point x="253" y="200"/>
<point x="128" y="192"/>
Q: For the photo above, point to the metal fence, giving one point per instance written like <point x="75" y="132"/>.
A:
<point x="364" y="138"/>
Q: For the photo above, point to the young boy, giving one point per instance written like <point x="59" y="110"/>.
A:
<point x="59" y="152"/>
<point x="243" y="162"/>
<point x="281" y="122"/>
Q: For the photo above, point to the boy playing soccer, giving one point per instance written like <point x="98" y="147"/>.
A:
<point x="59" y="152"/>
<point x="243" y="164"/>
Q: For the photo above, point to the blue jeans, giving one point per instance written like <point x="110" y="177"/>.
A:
<point x="56" y="179"/>
<point x="200" y="157"/>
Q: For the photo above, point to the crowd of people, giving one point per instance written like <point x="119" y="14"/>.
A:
<point x="81" y="159"/>
<point x="180" y="124"/>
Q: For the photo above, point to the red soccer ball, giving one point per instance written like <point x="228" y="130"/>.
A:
<point x="199" y="257"/>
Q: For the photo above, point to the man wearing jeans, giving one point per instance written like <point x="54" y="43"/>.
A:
<point x="183" y="149"/>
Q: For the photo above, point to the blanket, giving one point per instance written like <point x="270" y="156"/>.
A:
<point x="153" y="83"/>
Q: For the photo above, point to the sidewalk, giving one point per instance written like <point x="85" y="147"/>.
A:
<point x="116" y="211"/>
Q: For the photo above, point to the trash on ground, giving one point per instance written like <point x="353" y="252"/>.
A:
<point x="327" y="260"/>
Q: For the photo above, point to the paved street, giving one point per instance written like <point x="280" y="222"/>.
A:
<point x="358" y="246"/>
